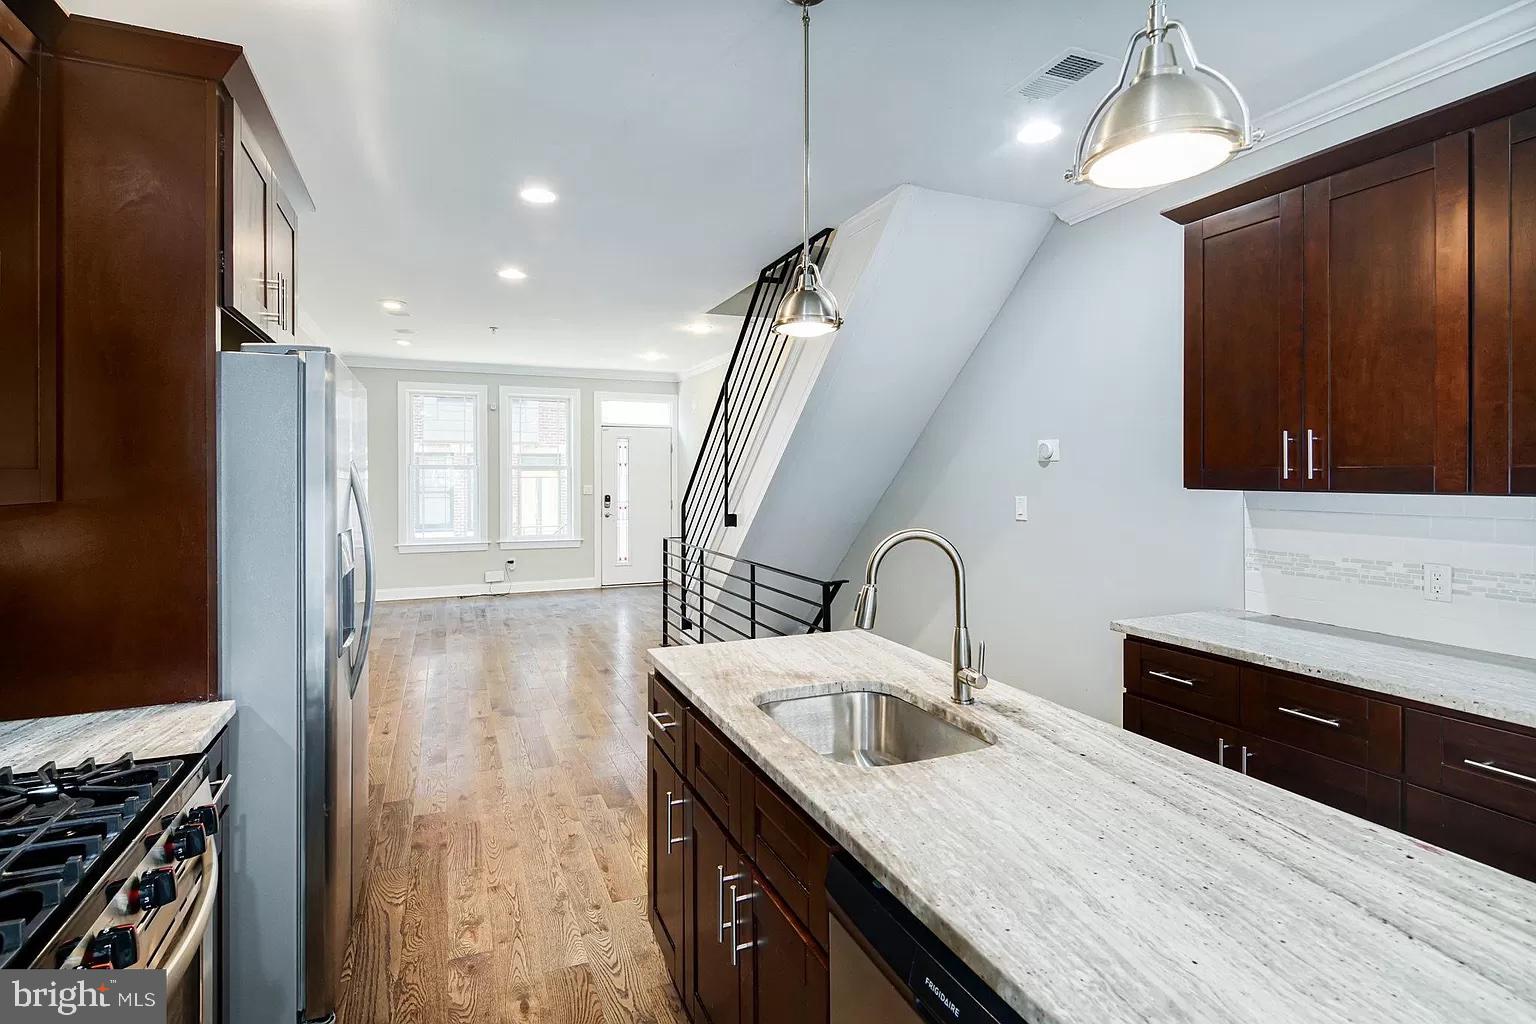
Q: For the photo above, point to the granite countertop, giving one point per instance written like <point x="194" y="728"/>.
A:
<point x="1090" y="875"/>
<point x="1478" y="682"/>
<point x="163" y="730"/>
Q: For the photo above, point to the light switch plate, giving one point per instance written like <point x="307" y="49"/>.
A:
<point x="586" y="488"/>
<point x="1438" y="581"/>
<point x="495" y="576"/>
<point x="1020" y="509"/>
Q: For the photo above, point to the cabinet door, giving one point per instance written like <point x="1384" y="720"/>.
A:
<point x="786" y="972"/>
<point x="668" y="861"/>
<point x="28" y="412"/>
<point x="1242" y="347"/>
<point x="1202" y="737"/>
<point x="1506" y="843"/>
<point x="1365" y="794"/>
<point x="1387" y="324"/>
<point x="1504" y="307"/>
<point x="721" y="888"/>
<point x="248" y="287"/>
<point x="284" y="263"/>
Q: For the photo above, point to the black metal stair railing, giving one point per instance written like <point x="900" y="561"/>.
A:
<point x="707" y="595"/>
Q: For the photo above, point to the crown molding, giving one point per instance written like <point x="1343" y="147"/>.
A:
<point x="1476" y="41"/>
<point x="578" y="373"/>
<point x="704" y="367"/>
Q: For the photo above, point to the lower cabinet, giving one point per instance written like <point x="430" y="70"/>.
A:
<point x="741" y="949"/>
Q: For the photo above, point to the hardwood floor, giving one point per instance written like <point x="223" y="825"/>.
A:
<point x="507" y="783"/>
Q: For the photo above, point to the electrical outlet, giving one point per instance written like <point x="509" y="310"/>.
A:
<point x="495" y="576"/>
<point x="1020" y="509"/>
<point x="1438" y="580"/>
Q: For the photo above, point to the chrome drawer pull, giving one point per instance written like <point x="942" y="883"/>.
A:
<point x="1489" y="766"/>
<point x="1221" y="751"/>
<point x="1332" y="723"/>
<point x="737" y="947"/>
<point x="1172" y="679"/>
<point x="671" y="840"/>
<point x="658" y="723"/>
<point x="1246" y="755"/>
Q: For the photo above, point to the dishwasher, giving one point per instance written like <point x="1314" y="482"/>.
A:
<point x="886" y="967"/>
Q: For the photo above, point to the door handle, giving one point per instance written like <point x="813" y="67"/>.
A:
<point x="370" y="595"/>
<point x="1286" y="440"/>
<point x="671" y="839"/>
<point x="1332" y="723"/>
<point x="1312" y="439"/>
<point x="1221" y="751"/>
<point x="607" y="506"/>
<point x="737" y="946"/>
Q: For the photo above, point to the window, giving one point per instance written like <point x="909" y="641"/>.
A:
<point x="442" y="467"/>
<point x="540" y="468"/>
<point x="637" y="412"/>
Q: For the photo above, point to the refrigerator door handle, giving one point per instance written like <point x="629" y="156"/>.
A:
<point x="365" y="523"/>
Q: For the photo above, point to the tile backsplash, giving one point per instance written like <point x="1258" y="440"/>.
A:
<point x="1358" y="560"/>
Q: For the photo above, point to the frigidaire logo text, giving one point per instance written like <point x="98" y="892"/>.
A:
<point x="949" y="1004"/>
<point x="68" y="998"/>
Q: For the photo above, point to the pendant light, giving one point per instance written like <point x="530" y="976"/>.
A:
<point x="809" y="310"/>
<point x="1173" y="119"/>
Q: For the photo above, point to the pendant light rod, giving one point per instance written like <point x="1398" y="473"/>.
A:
<point x="805" y="191"/>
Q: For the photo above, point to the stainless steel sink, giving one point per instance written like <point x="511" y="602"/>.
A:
<point x="870" y="729"/>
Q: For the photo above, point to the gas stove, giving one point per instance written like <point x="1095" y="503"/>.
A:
<point x="62" y="830"/>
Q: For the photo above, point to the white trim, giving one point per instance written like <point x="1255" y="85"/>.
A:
<point x="1476" y="41"/>
<point x="597" y="471"/>
<point x="424" y="548"/>
<point x="484" y="589"/>
<point x="577" y="373"/>
<point x="507" y="393"/>
<point x="538" y="543"/>
<point x="403" y="390"/>
<point x="704" y="367"/>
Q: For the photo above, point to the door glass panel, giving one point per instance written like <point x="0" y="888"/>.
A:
<point x="621" y="493"/>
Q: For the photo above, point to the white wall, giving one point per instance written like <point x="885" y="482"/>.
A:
<point x="696" y="396"/>
<point x="464" y="571"/>
<point x="1358" y="561"/>
<point x="1087" y="349"/>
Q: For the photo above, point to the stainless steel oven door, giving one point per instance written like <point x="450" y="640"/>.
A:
<point x="190" y="960"/>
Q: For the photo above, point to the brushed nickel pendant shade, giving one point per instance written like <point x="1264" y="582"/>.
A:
<point x="809" y="310"/>
<point x="1174" y="118"/>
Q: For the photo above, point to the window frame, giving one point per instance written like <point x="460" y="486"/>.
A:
<point x="405" y="542"/>
<point x="574" y="537"/>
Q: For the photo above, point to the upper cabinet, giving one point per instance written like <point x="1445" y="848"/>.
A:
<point x="1365" y="319"/>
<point x="28" y="353"/>
<point x="1504" y="303"/>
<point x="261" y="235"/>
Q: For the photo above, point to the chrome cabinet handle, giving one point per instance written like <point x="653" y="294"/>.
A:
<point x="1312" y="439"/>
<point x="1221" y="751"/>
<point x="737" y="946"/>
<point x="1332" y="723"/>
<point x="655" y="718"/>
<point x="1246" y="755"/>
<point x="720" y="922"/>
<point x="1171" y="678"/>
<point x="1489" y="766"/>
<point x="671" y="840"/>
<point x="1286" y="440"/>
<point x="371" y="589"/>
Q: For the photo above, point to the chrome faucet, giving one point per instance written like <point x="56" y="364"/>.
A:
<point x="966" y="677"/>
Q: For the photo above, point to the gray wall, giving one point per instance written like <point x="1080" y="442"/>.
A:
<point x="398" y="570"/>
<point x="1087" y="349"/>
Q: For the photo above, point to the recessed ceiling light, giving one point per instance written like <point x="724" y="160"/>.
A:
<point x="652" y="357"/>
<point x="1038" y="130"/>
<point x="395" y="307"/>
<point x="512" y="274"/>
<point x="403" y="342"/>
<point x="538" y="195"/>
<point x="699" y="327"/>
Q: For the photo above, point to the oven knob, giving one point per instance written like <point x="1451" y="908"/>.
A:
<point x="113" y="949"/>
<point x="206" y="816"/>
<point x="186" y="841"/>
<point x="156" y="888"/>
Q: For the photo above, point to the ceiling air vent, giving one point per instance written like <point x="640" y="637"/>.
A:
<point x="1057" y="76"/>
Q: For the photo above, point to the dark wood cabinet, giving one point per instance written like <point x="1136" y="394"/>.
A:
<point x="786" y="968"/>
<point x="261" y="235"/>
<point x="1504" y="306"/>
<point x="1378" y="334"/>
<point x="1387" y="330"/>
<point x="1460" y="782"/>
<point x="720" y="927"/>
<point x="1243" y="354"/>
<point x="28" y="399"/>
<point x="667" y="861"/>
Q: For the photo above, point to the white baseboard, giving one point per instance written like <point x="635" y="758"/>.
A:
<point x="484" y="589"/>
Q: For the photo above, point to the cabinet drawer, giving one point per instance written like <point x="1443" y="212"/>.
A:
<point x="1203" y="685"/>
<point x="1352" y="789"/>
<point x="1345" y="726"/>
<point x="1499" y="840"/>
<point x="1492" y="767"/>
<point x="718" y="774"/>
<point x="792" y="855"/>
<point x="1202" y="737"/>
<point x="664" y="719"/>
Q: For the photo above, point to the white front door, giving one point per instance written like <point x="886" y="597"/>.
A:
<point x="635" y="502"/>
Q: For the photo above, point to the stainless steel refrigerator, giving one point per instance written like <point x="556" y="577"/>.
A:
<point x="296" y="595"/>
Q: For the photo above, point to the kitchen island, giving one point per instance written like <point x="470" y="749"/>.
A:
<point x="1088" y="874"/>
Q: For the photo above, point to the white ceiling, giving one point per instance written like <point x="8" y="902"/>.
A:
<point x="671" y="132"/>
